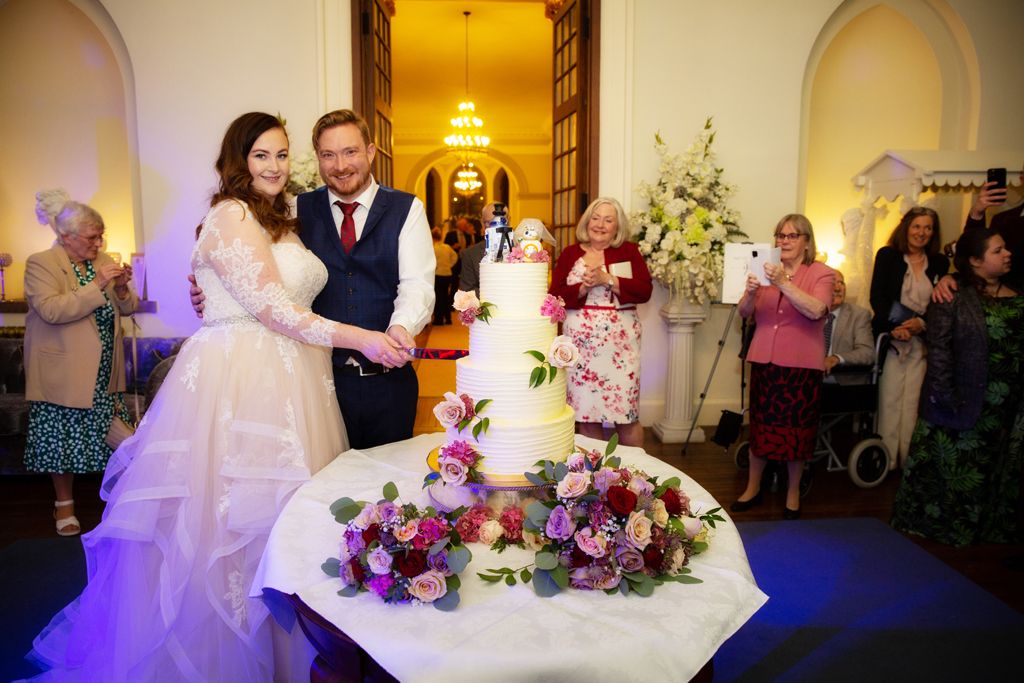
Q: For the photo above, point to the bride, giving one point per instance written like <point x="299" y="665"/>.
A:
<point x="246" y="415"/>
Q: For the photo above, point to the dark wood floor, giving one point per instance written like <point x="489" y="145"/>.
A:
<point x="26" y="505"/>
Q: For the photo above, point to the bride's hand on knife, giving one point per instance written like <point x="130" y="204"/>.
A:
<point x="380" y="348"/>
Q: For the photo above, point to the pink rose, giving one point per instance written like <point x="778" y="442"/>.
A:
<point x="428" y="586"/>
<point x="573" y="485"/>
<point x="563" y="353"/>
<point x="576" y="462"/>
<point x="465" y="301"/>
<point x="366" y="517"/>
<point x="605" y="478"/>
<point x="453" y="472"/>
<point x="693" y="527"/>
<point x="379" y="561"/>
<point x="638" y="530"/>
<point x="491" y="531"/>
<point x="640" y="486"/>
<point x="450" y="411"/>
<point x="592" y="545"/>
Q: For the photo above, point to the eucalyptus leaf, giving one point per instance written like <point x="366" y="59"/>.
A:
<point x="438" y="547"/>
<point x="490" y="578"/>
<point x="538" y="513"/>
<point x="644" y="588"/>
<point x="458" y="558"/>
<point x="699" y="547"/>
<point x="561" y="576"/>
<point x="341" y="503"/>
<point x="612" y="444"/>
<point x="534" y="479"/>
<point x="510" y="580"/>
<point x="561" y="469"/>
<point x="688" y="579"/>
<point x="390" y="491"/>
<point x="525" y="575"/>
<point x="614" y="462"/>
<point x="453" y="582"/>
<point x="624" y="587"/>
<point x="331" y="566"/>
<point x="349" y="591"/>
<point x="544" y="584"/>
<point x="546" y="561"/>
<point x="447" y="602"/>
<point x="672" y="483"/>
<point x="549" y="469"/>
<point x="348" y="513"/>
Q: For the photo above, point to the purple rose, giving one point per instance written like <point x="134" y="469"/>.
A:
<point x="439" y="562"/>
<point x="604" y="479"/>
<point x="379" y="561"/>
<point x="561" y="524"/>
<point x="630" y="559"/>
<point x="387" y="511"/>
<point x="354" y="540"/>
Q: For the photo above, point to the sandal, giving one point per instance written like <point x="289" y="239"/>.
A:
<point x="66" y="526"/>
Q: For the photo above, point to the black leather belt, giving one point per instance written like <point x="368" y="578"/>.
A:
<point x="369" y="370"/>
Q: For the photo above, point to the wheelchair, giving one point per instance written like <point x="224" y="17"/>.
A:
<point x="849" y="413"/>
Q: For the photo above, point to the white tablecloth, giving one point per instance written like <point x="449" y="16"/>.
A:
<point x="503" y="633"/>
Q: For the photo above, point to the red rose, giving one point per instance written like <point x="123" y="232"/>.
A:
<point x="673" y="505"/>
<point x="413" y="563"/>
<point x="357" y="569"/>
<point x="652" y="557"/>
<point x="579" y="558"/>
<point x="371" y="533"/>
<point x="621" y="500"/>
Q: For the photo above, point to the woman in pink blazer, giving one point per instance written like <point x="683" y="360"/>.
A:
<point x="787" y="357"/>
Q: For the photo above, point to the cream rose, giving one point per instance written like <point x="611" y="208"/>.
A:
<point x="367" y="516"/>
<point x="659" y="513"/>
<point x="563" y="353"/>
<point x="491" y="531"/>
<point x="693" y="527"/>
<point x="638" y="530"/>
<point x="675" y="561"/>
<point x="453" y="472"/>
<point x="573" y="485"/>
<point x="428" y="586"/>
<point x="407" y="531"/>
<point x="450" y="411"/>
<point x="464" y="301"/>
<point x="533" y="541"/>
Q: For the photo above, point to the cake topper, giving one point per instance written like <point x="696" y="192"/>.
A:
<point x="529" y="234"/>
<point x="498" y="234"/>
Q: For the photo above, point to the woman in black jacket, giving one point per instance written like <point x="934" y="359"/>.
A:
<point x="961" y="482"/>
<point x="901" y="287"/>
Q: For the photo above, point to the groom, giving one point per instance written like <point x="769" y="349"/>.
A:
<point x="376" y="244"/>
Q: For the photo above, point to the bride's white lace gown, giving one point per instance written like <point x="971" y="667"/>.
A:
<point x="246" y="415"/>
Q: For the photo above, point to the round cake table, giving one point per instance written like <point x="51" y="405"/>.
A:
<point x="498" y="632"/>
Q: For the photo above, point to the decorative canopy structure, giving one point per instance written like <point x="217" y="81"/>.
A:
<point x="909" y="172"/>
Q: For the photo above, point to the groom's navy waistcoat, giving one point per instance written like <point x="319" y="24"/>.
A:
<point x="361" y="285"/>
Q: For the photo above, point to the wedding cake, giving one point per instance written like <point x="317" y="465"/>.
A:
<point x="526" y="420"/>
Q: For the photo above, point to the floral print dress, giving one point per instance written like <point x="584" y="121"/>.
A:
<point x="72" y="440"/>
<point x="605" y="384"/>
<point x="961" y="487"/>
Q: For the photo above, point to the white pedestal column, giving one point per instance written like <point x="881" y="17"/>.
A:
<point x="680" y="318"/>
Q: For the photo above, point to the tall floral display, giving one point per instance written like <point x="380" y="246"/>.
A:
<point x="682" y="234"/>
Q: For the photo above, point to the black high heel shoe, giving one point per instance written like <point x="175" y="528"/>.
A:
<point x="790" y="514"/>
<point x="744" y="505"/>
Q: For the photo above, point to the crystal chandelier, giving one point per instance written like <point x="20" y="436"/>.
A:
<point x="467" y="182"/>
<point x="467" y="137"/>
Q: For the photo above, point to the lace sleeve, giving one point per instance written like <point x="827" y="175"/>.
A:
<point x="234" y="245"/>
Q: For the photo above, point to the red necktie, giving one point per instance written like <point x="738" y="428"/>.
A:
<point x="348" y="225"/>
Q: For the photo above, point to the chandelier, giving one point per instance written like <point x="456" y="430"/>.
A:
<point x="467" y="137"/>
<point x="467" y="182"/>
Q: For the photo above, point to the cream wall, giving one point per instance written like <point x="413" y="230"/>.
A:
<point x="64" y="124"/>
<point x="666" y="65"/>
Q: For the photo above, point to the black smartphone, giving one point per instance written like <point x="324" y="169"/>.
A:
<point x="997" y="176"/>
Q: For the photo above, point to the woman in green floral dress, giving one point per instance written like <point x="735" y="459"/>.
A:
<point x="73" y="352"/>
<point x="962" y="481"/>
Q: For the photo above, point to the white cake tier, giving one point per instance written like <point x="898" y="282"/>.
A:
<point x="511" y="447"/>
<point x="504" y="340"/>
<point x="515" y="289"/>
<point x="508" y="387"/>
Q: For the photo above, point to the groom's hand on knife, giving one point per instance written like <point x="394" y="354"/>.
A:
<point x="399" y="356"/>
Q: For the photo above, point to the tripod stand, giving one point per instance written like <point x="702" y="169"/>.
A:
<point x="735" y="418"/>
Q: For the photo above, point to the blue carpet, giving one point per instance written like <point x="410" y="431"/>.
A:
<point x="853" y="600"/>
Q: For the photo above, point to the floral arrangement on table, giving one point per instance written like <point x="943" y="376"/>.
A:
<point x="562" y="354"/>
<point x="304" y="174"/>
<point x="609" y="527"/>
<point x="470" y="307"/>
<point x="400" y="553"/>
<point x="481" y="523"/>
<point x="682" y="234"/>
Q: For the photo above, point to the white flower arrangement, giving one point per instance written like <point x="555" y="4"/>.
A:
<point x="304" y="175"/>
<point x="682" y="234"/>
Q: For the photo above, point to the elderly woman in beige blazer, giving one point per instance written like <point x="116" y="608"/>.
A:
<point x="73" y="351"/>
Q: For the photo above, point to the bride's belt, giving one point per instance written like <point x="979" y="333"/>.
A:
<point x="234" y="320"/>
